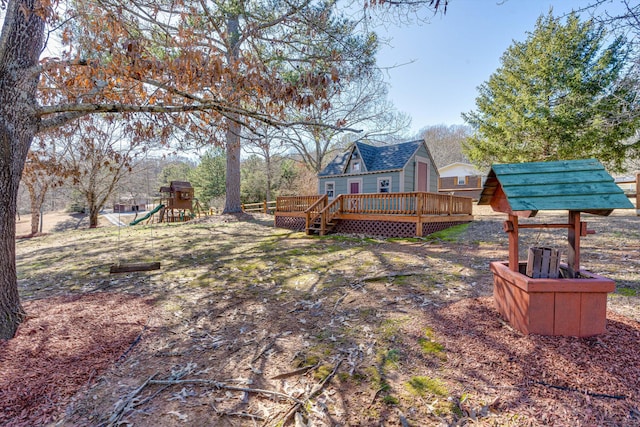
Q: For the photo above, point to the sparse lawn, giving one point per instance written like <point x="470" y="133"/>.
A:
<point x="252" y="324"/>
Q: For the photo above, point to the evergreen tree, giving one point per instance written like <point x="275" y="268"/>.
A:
<point x="561" y="94"/>
<point x="208" y="179"/>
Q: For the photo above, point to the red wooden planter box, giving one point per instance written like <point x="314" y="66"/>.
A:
<point x="568" y="307"/>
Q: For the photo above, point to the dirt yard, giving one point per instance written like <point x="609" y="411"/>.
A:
<point x="57" y="222"/>
<point x="250" y="325"/>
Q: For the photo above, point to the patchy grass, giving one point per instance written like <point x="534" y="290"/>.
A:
<point x="423" y="386"/>
<point x="451" y="234"/>
<point x="253" y="307"/>
<point x="627" y="292"/>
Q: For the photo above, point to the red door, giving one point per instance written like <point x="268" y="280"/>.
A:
<point x="423" y="173"/>
<point x="354" y="188"/>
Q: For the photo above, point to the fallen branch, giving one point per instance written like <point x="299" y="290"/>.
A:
<point x="314" y="392"/>
<point x="133" y="344"/>
<point x="263" y="351"/>
<point x="588" y="393"/>
<point x="127" y="403"/>
<point x="298" y="371"/>
<point x="335" y="306"/>
<point x="237" y="414"/>
<point x="224" y="386"/>
<point x="392" y="275"/>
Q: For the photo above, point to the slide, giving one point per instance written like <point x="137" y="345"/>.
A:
<point x="147" y="216"/>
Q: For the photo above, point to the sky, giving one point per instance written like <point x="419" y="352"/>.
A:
<point x="448" y="58"/>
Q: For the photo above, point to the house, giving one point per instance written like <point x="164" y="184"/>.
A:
<point x="366" y="168"/>
<point x="461" y="179"/>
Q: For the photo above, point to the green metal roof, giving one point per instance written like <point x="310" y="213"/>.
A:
<point x="575" y="185"/>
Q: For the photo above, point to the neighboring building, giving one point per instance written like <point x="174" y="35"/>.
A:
<point x="461" y="179"/>
<point x="130" y="205"/>
<point x="366" y="168"/>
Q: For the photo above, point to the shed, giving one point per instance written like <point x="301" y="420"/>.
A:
<point x="366" y="168"/>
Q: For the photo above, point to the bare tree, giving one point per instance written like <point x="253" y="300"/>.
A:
<point x="268" y="148"/>
<point x="100" y="152"/>
<point x="445" y="143"/>
<point x="42" y="171"/>
<point x="361" y="105"/>
<point x="148" y="58"/>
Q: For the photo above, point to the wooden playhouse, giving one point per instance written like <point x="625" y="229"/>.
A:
<point x="177" y="200"/>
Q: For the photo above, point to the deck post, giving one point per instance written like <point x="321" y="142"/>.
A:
<point x="419" y="202"/>
<point x="573" y="257"/>
<point x="511" y="227"/>
<point x="638" y="194"/>
<point x="450" y="203"/>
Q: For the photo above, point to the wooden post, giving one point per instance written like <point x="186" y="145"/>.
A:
<point x="450" y="203"/>
<point x="419" y="203"/>
<point x="573" y="257"/>
<point x="264" y="204"/>
<point x="512" y="229"/>
<point x="638" y="194"/>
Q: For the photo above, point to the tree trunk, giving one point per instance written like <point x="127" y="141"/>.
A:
<point x="20" y="46"/>
<point x="36" y="200"/>
<point x="93" y="216"/>
<point x="267" y="160"/>
<point x="233" y="203"/>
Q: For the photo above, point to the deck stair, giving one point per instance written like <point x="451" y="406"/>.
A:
<point x="316" y="226"/>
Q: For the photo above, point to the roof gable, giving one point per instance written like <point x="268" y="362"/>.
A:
<point x="375" y="158"/>
<point x="575" y="185"/>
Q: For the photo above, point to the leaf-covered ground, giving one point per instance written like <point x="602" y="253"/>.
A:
<point x="250" y="325"/>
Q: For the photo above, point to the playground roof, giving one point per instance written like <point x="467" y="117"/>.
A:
<point x="575" y="185"/>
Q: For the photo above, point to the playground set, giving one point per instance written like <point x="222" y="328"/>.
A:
<point x="177" y="204"/>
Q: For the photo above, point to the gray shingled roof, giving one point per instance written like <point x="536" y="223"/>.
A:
<point x="375" y="158"/>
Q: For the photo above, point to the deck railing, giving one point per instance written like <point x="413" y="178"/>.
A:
<point x="407" y="205"/>
<point x="314" y="211"/>
<point x="296" y="203"/>
<point x="416" y="203"/>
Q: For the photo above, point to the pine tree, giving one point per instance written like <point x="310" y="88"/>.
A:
<point x="561" y="94"/>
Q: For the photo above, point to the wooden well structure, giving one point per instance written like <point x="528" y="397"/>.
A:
<point x="574" y="304"/>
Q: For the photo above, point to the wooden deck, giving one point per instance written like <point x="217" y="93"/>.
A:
<point x="392" y="214"/>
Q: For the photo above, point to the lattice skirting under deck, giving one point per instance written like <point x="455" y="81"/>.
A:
<point x="292" y="223"/>
<point x="390" y="228"/>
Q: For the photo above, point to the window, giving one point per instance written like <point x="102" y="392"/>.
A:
<point x="356" y="164"/>
<point x="329" y="189"/>
<point x="384" y="185"/>
<point x="462" y="180"/>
